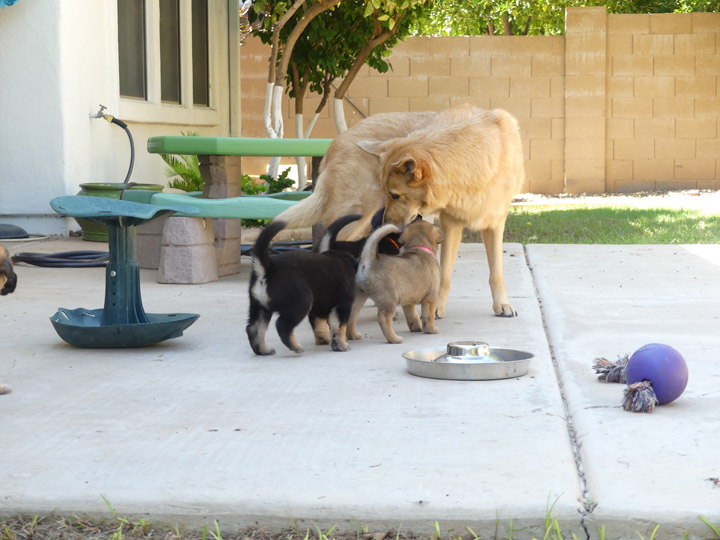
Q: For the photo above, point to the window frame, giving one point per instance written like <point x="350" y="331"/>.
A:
<point x="153" y="109"/>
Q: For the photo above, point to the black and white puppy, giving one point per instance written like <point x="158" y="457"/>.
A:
<point x="296" y="284"/>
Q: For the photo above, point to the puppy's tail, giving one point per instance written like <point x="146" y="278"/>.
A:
<point x="261" y="250"/>
<point x="327" y="241"/>
<point x="369" y="252"/>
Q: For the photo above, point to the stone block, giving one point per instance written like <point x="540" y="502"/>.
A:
<point x="652" y="169"/>
<point x="653" y="44"/>
<point x="470" y="66"/>
<point x="694" y="169"/>
<point x="489" y="87"/>
<point x="632" y="66"/>
<point x="416" y="86"/>
<point x="620" y="86"/>
<point x="696" y="128"/>
<point x="674" y="65"/>
<point x="511" y="66"/>
<point x="412" y="46"/>
<point x="448" y="86"/>
<point x="633" y="149"/>
<point x="675" y="148"/>
<point x="532" y="87"/>
<point x="619" y="44"/>
<point x="370" y="87"/>
<point x="586" y="148"/>
<point x="619" y="128"/>
<point x="186" y="231"/>
<point x="381" y="105"/>
<point x="584" y="106"/>
<point x="705" y="22"/>
<point x="148" y="243"/>
<point x="654" y="128"/>
<point x="520" y="107"/>
<point x="542" y="107"/>
<point x="631" y="107"/>
<point x="658" y="86"/>
<point x="449" y="46"/>
<point x="187" y="265"/>
<point x="429" y="66"/>
<point x="580" y="128"/>
<point x="708" y="106"/>
<point x="438" y="103"/>
<point x="708" y="64"/>
<point x="695" y="44"/>
<point x="585" y="19"/>
<point x="187" y="254"/>
<point x="670" y="23"/>
<point x="585" y="85"/>
<point x="591" y="63"/>
<point x="618" y="170"/>
<point x="538" y="45"/>
<point x="537" y="128"/>
<point x="546" y="65"/>
<point x="629" y="24"/>
<point x="492" y="45"/>
<point x="672" y="107"/>
<point x="708" y="148"/>
<point x="695" y="86"/>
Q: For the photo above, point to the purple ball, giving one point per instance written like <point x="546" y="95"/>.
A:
<point x="663" y="366"/>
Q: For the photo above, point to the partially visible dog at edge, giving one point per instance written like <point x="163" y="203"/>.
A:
<point x="462" y="166"/>
<point x="8" y="282"/>
<point x="410" y="278"/>
<point x="296" y="284"/>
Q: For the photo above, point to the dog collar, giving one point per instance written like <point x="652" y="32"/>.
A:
<point x="424" y="248"/>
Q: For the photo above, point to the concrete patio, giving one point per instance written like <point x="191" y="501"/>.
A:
<point x="198" y="429"/>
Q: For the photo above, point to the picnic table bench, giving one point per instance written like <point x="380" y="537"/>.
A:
<point x="220" y="167"/>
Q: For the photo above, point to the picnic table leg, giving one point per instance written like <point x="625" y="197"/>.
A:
<point x="222" y="175"/>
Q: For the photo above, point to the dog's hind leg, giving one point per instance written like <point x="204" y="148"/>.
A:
<point x="412" y="318"/>
<point x="452" y="229"/>
<point x="321" y="329"/>
<point x="290" y="316"/>
<point x="339" y="325"/>
<point x="428" y="318"/>
<point x="492" y="238"/>
<point x="258" y="321"/>
<point x="360" y="299"/>
<point x="385" y="320"/>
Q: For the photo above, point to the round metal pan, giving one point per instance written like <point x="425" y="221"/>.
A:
<point x="440" y="363"/>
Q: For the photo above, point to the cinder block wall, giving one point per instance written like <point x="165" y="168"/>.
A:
<point x="619" y="103"/>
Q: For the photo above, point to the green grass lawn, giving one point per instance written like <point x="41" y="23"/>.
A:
<point x="583" y="224"/>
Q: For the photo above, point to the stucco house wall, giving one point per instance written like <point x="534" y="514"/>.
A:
<point x="59" y="61"/>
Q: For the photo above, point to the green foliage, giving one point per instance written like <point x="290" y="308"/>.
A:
<point x="183" y="170"/>
<point x="534" y="17"/>
<point x="333" y="40"/>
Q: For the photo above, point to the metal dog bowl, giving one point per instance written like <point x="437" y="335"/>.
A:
<point x="467" y="361"/>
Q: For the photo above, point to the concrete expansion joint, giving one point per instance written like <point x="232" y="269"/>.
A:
<point x="587" y="502"/>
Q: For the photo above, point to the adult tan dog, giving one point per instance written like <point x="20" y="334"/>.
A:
<point x="462" y="165"/>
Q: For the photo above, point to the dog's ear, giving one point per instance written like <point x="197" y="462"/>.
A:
<point x="371" y="147"/>
<point x="412" y="170"/>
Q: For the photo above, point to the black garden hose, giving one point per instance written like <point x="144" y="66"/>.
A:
<point x="65" y="259"/>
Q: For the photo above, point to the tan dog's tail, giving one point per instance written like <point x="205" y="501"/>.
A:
<point x="369" y="252"/>
<point x="307" y="212"/>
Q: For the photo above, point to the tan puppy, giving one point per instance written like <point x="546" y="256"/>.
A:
<point x="8" y="280"/>
<point x="462" y="165"/>
<point x="412" y="277"/>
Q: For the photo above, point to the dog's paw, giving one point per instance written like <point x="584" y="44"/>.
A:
<point x="504" y="310"/>
<point x="397" y="340"/>
<point x="355" y="336"/>
<point x="265" y="351"/>
<point x="440" y="312"/>
<point x="339" y="347"/>
<point x="430" y="330"/>
<point x="5" y="389"/>
<point x="414" y="326"/>
<point x="321" y="340"/>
